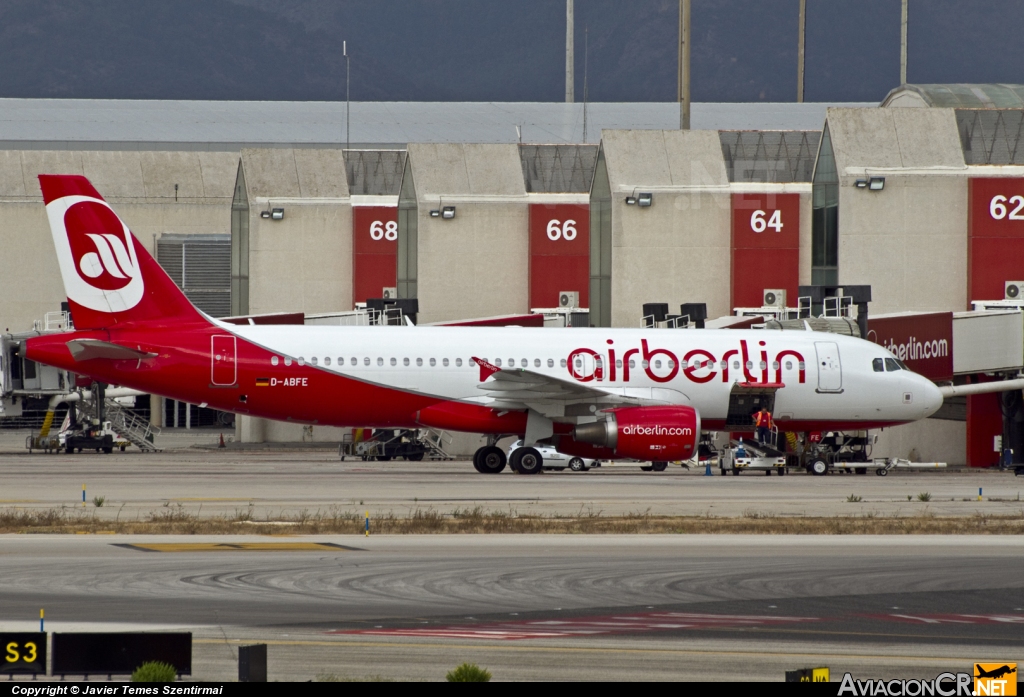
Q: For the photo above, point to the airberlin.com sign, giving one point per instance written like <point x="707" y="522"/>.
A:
<point x="923" y="341"/>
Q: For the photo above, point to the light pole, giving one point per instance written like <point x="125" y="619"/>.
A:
<point x="344" y="51"/>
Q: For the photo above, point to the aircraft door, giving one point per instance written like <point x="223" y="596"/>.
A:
<point x="830" y="371"/>
<point x="223" y="364"/>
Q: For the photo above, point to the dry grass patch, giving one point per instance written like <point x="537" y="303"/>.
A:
<point x="179" y="521"/>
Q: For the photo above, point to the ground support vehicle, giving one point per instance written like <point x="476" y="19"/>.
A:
<point x="554" y="460"/>
<point x="741" y="456"/>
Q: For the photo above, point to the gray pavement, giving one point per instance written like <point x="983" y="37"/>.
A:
<point x="543" y="607"/>
<point x="287" y="483"/>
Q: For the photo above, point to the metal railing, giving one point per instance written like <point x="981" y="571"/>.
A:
<point x="134" y="428"/>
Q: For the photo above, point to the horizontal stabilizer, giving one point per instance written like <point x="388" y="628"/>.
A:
<point x="88" y="349"/>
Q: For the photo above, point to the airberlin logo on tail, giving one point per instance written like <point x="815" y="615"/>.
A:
<point x="97" y="254"/>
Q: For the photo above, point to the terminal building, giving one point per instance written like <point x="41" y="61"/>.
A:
<point x="482" y="210"/>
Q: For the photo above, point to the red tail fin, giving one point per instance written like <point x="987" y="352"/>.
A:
<point x="110" y="278"/>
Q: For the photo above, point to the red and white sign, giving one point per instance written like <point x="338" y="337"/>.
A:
<point x="995" y="235"/>
<point x="559" y="252"/>
<point x="374" y="251"/>
<point x="924" y="342"/>
<point x="765" y="246"/>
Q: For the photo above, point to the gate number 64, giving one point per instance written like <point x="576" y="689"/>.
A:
<point x="758" y="223"/>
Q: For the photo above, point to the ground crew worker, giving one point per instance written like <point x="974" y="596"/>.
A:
<point x="763" y="423"/>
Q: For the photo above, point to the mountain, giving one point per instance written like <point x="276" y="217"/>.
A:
<point x="467" y="50"/>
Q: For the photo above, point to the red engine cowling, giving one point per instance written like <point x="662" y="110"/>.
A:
<point x="645" y="433"/>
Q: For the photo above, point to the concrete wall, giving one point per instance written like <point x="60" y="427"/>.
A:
<point x="303" y="262"/>
<point x="140" y="187"/>
<point x="476" y="264"/>
<point x="678" y="250"/>
<point x="909" y="241"/>
<point x="930" y="440"/>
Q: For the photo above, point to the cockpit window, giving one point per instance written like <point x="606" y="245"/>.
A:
<point x="902" y="364"/>
<point x="878" y="365"/>
<point x="891" y="364"/>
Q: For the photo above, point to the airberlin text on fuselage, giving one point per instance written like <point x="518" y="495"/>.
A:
<point x="698" y="365"/>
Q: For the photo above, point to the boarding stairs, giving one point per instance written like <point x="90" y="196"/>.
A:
<point x="435" y="441"/>
<point x="134" y="428"/>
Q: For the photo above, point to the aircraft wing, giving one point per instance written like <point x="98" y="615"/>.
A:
<point x="515" y="388"/>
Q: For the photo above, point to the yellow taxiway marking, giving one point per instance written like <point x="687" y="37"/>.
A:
<point x="578" y="649"/>
<point x="238" y="547"/>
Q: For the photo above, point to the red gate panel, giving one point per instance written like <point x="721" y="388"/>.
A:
<point x="559" y="252"/>
<point x="995" y="235"/>
<point x="374" y="251"/>
<point x="765" y="246"/>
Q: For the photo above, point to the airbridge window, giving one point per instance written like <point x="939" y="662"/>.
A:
<point x="878" y="365"/>
<point x="891" y="364"/>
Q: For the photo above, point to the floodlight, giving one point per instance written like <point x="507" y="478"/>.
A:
<point x="435" y="213"/>
<point x="277" y="214"/>
<point x="861" y="183"/>
<point x="631" y="200"/>
<point x="264" y="214"/>
<point x="876" y="183"/>
<point x="448" y="212"/>
<point x="644" y="200"/>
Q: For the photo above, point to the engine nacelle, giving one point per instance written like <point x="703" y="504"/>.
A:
<point x="645" y="433"/>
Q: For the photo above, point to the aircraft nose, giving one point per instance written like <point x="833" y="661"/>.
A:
<point x="930" y="395"/>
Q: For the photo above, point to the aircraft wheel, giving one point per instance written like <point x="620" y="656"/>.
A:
<point x="576" y="465"/>
<point x="527" y="461"/>
<point x="491" y="460"/>
<point x="819" y="468"/>
<point x="659" y="466"/>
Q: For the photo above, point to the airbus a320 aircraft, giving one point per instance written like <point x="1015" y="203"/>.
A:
<point x="600" y="393"/>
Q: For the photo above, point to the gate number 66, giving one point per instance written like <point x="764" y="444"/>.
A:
<point x="567" y="230"/>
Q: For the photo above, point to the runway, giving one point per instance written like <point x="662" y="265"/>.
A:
<point x="542" y="607"/>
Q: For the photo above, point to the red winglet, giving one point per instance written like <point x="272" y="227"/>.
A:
<point x="486" y="369"/>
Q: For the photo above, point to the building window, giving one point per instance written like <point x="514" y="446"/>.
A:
<point x="825" y="217"/>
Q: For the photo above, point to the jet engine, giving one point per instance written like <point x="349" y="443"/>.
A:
<point x="645" y="433"/>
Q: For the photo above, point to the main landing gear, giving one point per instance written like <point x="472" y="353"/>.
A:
<point x="489" y="460"/>
<point x="526" y="461"/>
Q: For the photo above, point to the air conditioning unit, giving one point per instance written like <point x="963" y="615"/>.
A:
<point x="390" y="294"/>
<point x="1013" y="290"/>
<point x="568" y="298"/>
<point x="774" y="297"/>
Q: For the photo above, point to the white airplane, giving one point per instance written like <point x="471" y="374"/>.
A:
<point x="597" y="393"/>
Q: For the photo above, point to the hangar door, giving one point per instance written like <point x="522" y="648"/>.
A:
<point x="201" y="266"/>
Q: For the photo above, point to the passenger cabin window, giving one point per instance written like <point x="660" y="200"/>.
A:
<point x="878" y="365"/>
<point x="273" y="360"/>
<point x="394" y="362"/>
<point x="327" y="360"/>
<point x="433" y="362"/>
<point x="444" y="362"/>
<point x="405" y="361"/>
<point x="891" y="364"/>
<point x="419" y="362"/>
<point x="312" y="361"/>
<point x="551" y="362"/>
<point x="458" y="362"/>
